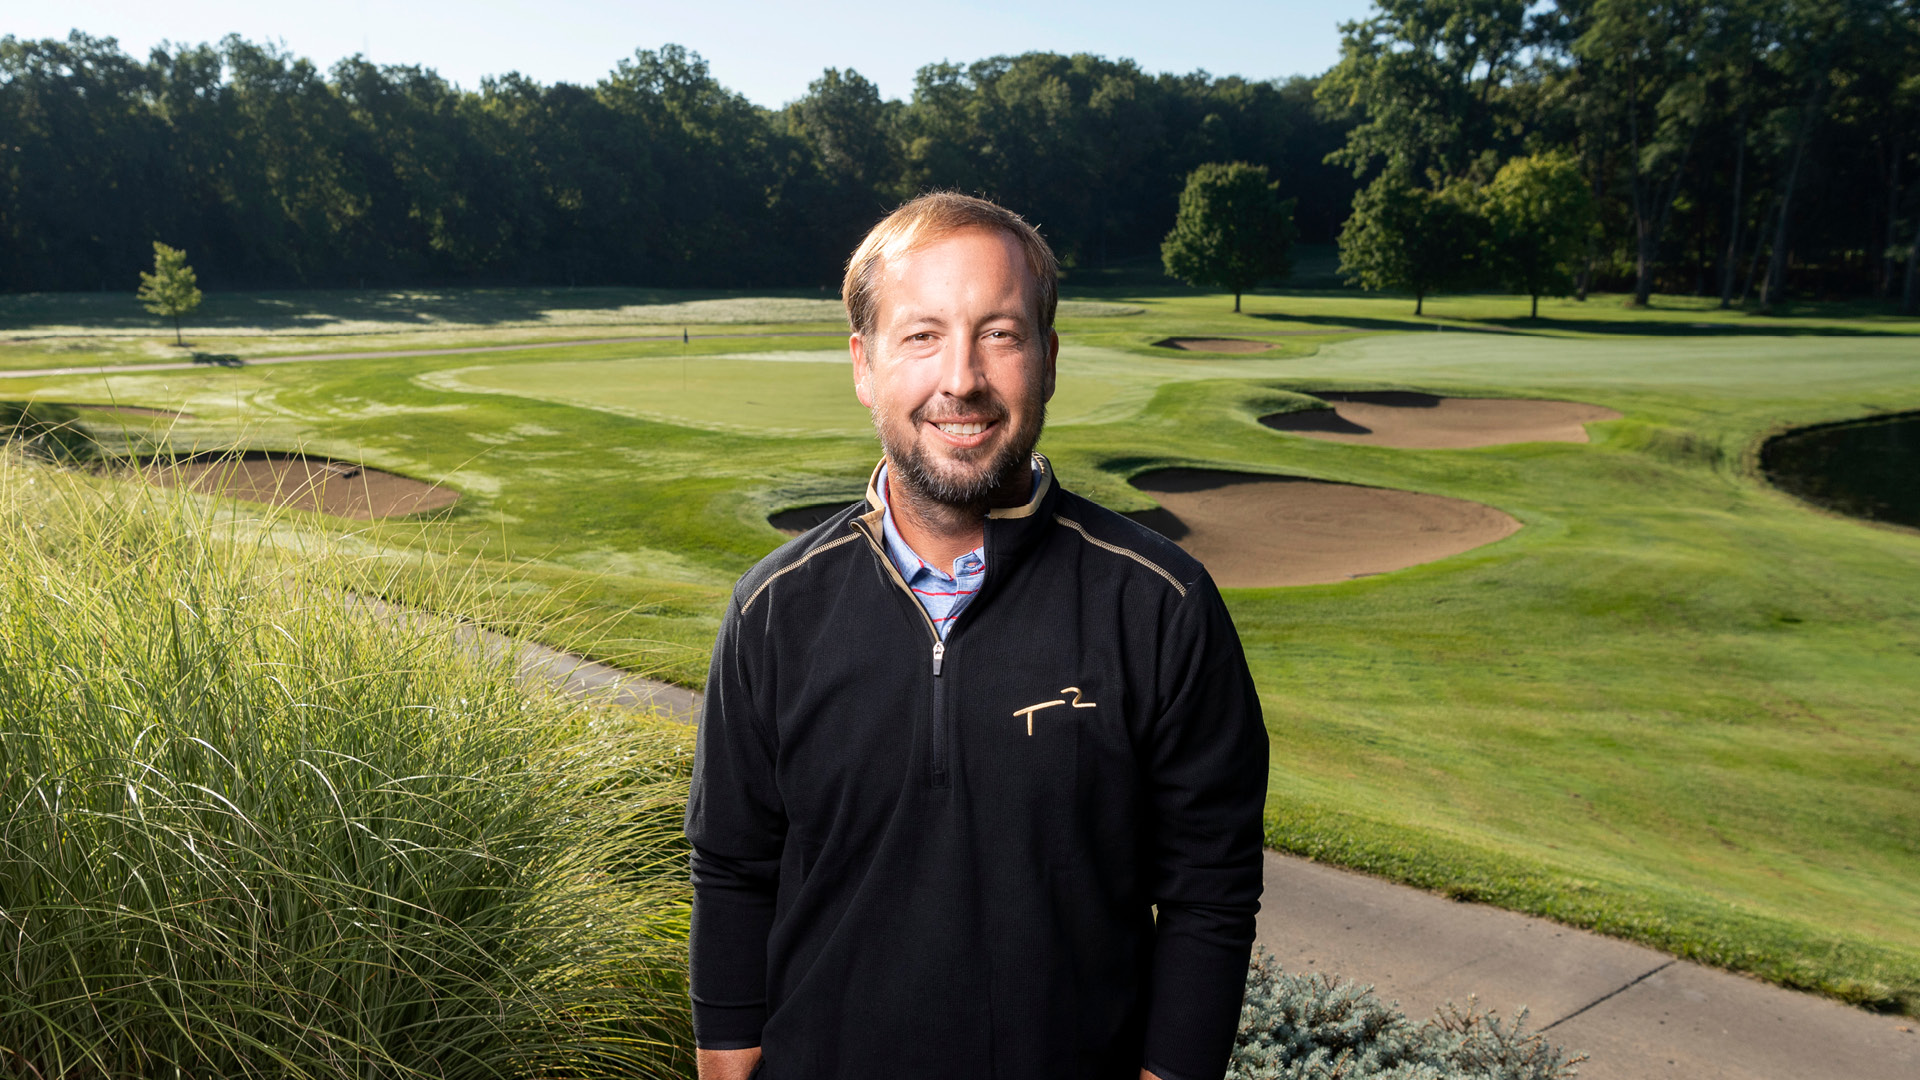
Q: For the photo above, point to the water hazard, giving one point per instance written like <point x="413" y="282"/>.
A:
<point x="1866" y="468"/>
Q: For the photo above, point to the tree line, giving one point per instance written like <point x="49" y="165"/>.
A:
<point x="1734" y="148"/>
<point x="1730" y="148"/>
<point x="271" y="172"/>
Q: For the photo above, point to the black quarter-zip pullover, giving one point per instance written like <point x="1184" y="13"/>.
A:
<point x="1029" y="851"/>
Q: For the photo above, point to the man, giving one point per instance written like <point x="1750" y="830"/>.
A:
<point x="981" y="769"/>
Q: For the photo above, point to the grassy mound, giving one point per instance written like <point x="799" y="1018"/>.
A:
<point x="250" y="829"/>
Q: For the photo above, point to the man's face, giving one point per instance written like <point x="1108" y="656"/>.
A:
<point x="956" y="371"/>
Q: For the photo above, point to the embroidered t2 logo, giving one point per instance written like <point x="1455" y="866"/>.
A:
<point x="1031" y="709"/>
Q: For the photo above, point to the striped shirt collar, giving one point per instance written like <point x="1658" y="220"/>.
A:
<point x="944" y="594"/>
<point x="902" y="554"/>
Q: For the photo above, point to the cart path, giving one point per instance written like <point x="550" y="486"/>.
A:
<point x="1640" y="1014"/>
<point x="575" y="674"/>
<point x="590" y="679"/>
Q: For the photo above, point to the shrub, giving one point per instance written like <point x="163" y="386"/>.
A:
<point x="250" y="829"/>
<point x="1313" y="1027"/>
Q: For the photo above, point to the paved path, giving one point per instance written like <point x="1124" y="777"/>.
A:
<point x="589" y="678"/>
<point x="575" y="674"/>
<point x="1640" y="1014"/>
<point x="190" y="365"/>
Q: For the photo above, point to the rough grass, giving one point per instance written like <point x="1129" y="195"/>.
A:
<point x="250" y="829"/>
<point x="1676" y="688"/>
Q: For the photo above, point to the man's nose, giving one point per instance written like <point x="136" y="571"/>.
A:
<point x="963" y="371"/>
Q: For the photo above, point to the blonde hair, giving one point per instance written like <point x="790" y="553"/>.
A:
<point x="935" y="216"/>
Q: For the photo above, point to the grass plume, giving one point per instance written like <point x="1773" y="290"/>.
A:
<point x="249" y="829"/>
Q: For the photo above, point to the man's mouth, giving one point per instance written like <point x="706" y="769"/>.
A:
<point x="955" y="427"/>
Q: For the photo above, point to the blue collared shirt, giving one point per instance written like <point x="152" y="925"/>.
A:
<point x="944" y="595"/>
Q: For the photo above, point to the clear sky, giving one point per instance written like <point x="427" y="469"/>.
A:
<point x="768" y="51"/>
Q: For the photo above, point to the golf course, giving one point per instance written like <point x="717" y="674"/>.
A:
<point x="1529" y="623"/>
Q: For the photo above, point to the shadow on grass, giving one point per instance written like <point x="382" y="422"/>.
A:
<point x="399" y="308"/>
<point x="1628" y="326"/>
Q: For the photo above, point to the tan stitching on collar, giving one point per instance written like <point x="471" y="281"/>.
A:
<point x="1026" y="509"/>
<point x="873" y="487"/>
<point x="795" y="565"/>
<point x="1134" y="555"/>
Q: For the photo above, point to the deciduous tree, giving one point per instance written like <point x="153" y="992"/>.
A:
<point x="170" y="290"/>
<point x="1233" y="230"/>
<point x="1412" y="238"/>
<point x="1539" y="216"/>
<point x="1644" y="63"/>
<point x="1427" y="77"/>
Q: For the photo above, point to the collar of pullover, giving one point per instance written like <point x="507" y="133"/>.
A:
<point x="1009" y="529"/>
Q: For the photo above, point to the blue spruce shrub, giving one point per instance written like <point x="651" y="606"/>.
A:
<point x="1313" y="1027"/>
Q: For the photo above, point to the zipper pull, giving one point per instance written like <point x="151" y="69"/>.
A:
<point x="939" y="652"/>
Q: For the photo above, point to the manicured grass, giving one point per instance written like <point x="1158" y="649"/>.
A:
<point x="39" y="330"/>
<point x="1675" y="706"/>
<point x="785" y="392"/>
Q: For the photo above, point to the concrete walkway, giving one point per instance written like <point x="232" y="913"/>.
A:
<point x="575" y="674"/>
<point x="590" y="679"/>
<point x="1639" y="1014"/>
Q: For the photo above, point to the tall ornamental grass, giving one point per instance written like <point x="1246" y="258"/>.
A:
<point x="248" y="828"/>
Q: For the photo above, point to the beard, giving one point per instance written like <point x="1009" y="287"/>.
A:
<point x="986" y="477"/>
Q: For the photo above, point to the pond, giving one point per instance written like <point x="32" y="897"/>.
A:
<point x="1866" y="468"/>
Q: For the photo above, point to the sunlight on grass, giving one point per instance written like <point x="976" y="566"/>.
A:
<point x="762" y="394"/>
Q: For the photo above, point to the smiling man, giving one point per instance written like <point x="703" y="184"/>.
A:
<point x="980" y="772"/>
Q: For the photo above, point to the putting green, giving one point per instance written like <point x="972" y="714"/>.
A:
<point x="772" y="393"/>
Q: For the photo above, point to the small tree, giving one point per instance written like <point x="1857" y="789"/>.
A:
<point x="1406" y="237"/>
<point x="171" y="290"/>
<point x="1233" y="229"/>
<point x="1539" y="213"/>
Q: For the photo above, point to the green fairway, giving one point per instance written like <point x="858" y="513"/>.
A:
<point x="1675" y="706"/>
<point x="777" y="393"/>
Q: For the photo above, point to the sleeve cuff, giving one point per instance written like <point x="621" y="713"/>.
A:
<point x="728" y="1027"/>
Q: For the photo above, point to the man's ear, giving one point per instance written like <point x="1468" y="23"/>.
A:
<point x="1052" y="363"/>
<point x="862" y="371"/>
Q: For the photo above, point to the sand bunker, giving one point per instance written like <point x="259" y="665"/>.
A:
<point x="1195" y="344"/>
<point x="1411" y="421"/>
<point x="800" y="519"/>
<point x="340" y="488"/>
<point x="1272" y="530"/>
